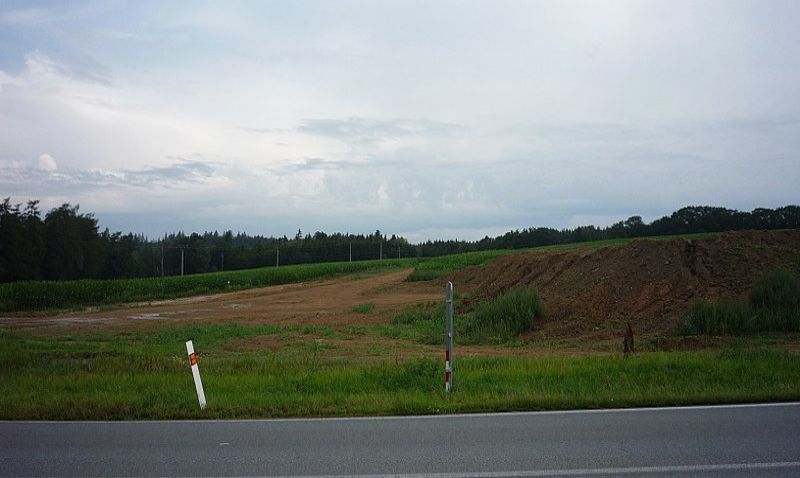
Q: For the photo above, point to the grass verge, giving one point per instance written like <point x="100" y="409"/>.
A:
<point x="147" y="376"/>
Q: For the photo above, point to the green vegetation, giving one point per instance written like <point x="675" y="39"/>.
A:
<point x="364" y="308"/>
<point x="495" y="322"/>
<point x="145" y="375"/>
<point x="505" y="317"/>
<point x="774" y="306"/>
<point x="422" y="323"/>
<point x="36" y="295"/>
<point x="436" y="267"/>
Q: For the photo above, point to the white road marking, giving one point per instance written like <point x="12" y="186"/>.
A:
<point x="574" y="472"/>
<point x="428" y="417"/>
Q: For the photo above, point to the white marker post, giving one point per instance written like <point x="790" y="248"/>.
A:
<point x="448" y="353"/>
<point x="196" y="374"/>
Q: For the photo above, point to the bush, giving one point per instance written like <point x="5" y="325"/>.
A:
<point x="774" y="306"/>
<point x="505" y="317"/>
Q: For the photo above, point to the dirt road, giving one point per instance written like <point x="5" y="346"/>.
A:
<point x="328" y="302"/>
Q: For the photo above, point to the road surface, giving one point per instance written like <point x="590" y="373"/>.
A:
<point x="745" y="440"/>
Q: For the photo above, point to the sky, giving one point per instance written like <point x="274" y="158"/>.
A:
<point x="431" y="120"/>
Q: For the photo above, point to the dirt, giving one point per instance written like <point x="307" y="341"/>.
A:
<point x="589" y="296"/>
<point x="593" y="293"/>
<point x="320" y="303"/>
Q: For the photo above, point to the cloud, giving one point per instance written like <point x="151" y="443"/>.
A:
<point x="25" y="180"/>
<point x="368" y="131"/>
<point x="394" y="117"/>
<point x="26" y="16"/>
<point x="46" y="163"/>
<point x="8" y="80"/>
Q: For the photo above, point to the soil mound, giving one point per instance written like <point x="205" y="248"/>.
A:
<point x="650" y="283"/>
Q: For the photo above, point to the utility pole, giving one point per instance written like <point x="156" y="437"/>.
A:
<point x="380" y="257"/>
<point x="277" y="256"/>
<point x="181" y="261"/>
<point x="351" y="252"/>
<point x="398" y="251"/>
<point x="222" y="261"/>
<point x="162" y="259"/>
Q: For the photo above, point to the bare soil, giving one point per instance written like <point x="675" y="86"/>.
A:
<point x="593" y="293"/>
<point x="320" y="303"/>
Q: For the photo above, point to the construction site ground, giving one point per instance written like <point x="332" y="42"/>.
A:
<point x="589" y="295"/>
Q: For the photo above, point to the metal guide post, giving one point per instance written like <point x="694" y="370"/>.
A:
<point x="448" y="364"/>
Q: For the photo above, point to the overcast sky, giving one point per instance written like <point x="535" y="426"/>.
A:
<point x="426" y="119"/>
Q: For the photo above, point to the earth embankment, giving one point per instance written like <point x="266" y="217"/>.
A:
<point x="594" y="292"/>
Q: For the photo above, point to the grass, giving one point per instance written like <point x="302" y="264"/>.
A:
<point x="507" y="316"/>
<point x="364" y="308"/>
<point x="140" y="375"/>
<point x="436" y="267"/>
<point x="773" y="306"/>
<point x="498" y="321"/>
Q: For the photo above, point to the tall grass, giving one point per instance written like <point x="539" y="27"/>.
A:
<point x="773" y="306"/>
<point x="505" y="317"/>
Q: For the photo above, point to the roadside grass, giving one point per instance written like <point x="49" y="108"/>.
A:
<point x="141" y="375"/>
<point x="773" y="306"/>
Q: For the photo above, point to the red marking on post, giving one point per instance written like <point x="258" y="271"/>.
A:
<point x="447" y="355"/>
<point x="447" y="377"/>
<point x="193" y="359"/>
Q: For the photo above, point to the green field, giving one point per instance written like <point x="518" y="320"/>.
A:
<point x="146" y="375"/>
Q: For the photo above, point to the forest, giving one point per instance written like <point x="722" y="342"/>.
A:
<point x="66" y="244"/>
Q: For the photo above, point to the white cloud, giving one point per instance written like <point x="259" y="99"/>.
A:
<point x="46" y="163"/>
<point x="8" y="80"/>
<point x="431" y="117"/>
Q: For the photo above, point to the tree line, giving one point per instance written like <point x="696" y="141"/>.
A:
<point x="65" y="244"/>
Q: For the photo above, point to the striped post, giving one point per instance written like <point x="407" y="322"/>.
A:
<point x="448" y="354"/>
<point x="198" y="385"/>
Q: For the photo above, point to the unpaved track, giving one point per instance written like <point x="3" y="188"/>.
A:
<point x="328" y="302"/>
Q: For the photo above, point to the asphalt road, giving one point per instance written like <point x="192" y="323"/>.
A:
<point x="751" y="440"/>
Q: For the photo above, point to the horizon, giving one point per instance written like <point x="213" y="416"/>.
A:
<point x="427" y="120"/>
<point x="312" y="231"/>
